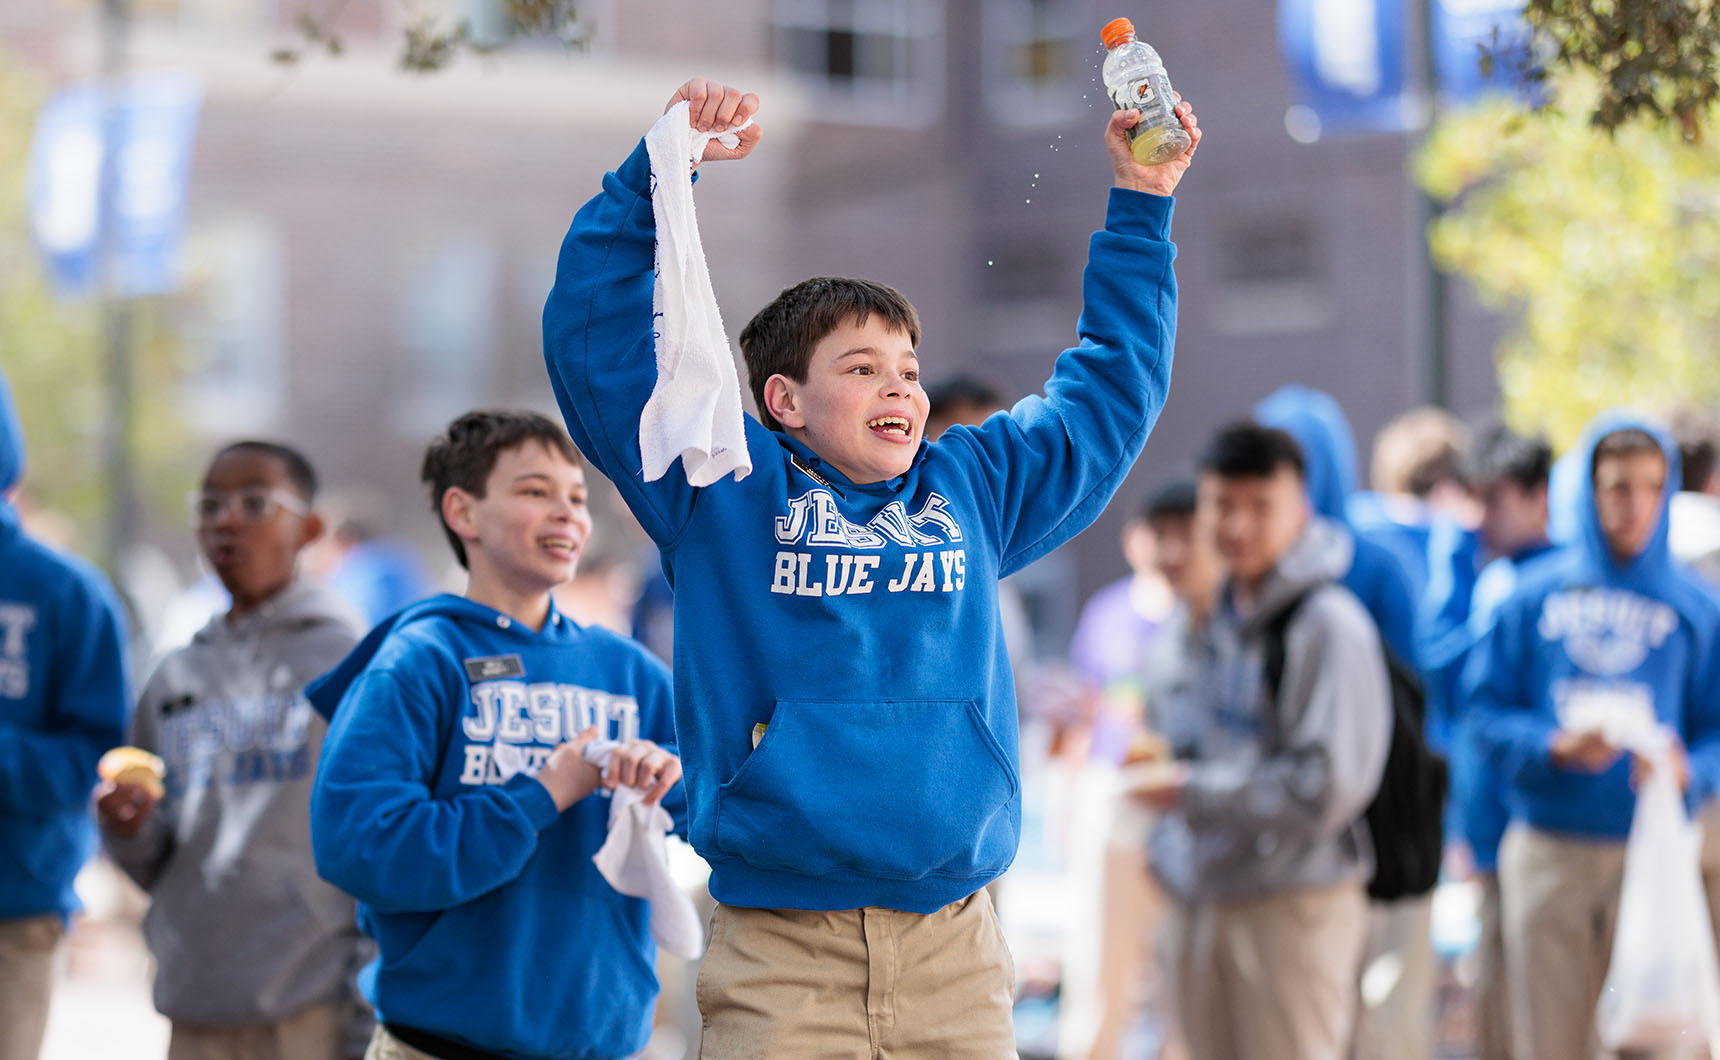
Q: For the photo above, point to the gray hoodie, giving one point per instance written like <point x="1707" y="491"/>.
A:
<point x="1276" y="792"/>
<point x="243" y="931"/>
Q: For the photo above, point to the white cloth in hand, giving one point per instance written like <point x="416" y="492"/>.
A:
<point x="635" y="860"/>
<point x="695" y="410"/>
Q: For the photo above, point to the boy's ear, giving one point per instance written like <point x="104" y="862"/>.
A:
<point x="457" y="512"/>
<point x="782" y="400"/>
<point x="311" y="529"/>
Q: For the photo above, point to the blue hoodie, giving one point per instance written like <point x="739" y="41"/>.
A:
<point x="63" y="701"/>
<point x="860" y="622"/>
<point x="1378" y="574"/>
<point x="1582" y="622"/>
<point x="493" y="925"/>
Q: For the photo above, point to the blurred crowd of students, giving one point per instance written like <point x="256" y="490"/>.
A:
<point x="1242" y="683"/>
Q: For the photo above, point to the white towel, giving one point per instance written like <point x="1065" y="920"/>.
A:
<point x="695" y="410"/>
<point x="634" y="859"/>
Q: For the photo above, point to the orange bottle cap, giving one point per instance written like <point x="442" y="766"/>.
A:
<point x="1116" y="31"/>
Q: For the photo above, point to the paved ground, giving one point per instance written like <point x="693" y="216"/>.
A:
<point x="101" y="1004"/>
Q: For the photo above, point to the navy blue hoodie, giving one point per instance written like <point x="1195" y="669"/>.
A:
<point x="1377" y="575"/>
<point x="1581" y="622"/>
<point x="63" y="701"/>
<point x="495" y="928"/>
<point x="860" y="622"/>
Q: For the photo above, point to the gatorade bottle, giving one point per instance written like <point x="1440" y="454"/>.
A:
<point x="1136" y="79"/>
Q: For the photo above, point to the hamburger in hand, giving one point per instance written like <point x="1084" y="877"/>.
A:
<point x="131" y="787"/>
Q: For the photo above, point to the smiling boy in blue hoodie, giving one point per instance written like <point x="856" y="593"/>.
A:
<point x="1606" y="629"/>
<point x="453" y="799"/>
<point x="63" y="701"/>
<point x="843" y="697"/>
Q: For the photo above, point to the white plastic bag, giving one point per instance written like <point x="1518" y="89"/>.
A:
<point x="1663" y="983"/>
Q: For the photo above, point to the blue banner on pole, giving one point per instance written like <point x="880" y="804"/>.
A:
<point x="1346" y="60"/>
<point x="137" y="142"/>
<point x="1481" y="47"/>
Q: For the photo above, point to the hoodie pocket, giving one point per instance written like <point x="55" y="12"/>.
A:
<point x="893" y="789"/>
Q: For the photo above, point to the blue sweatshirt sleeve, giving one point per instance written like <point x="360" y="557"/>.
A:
<point x="1701" y="733"/>
<point x="1054" y="461"/>
<point x="1513" y="734"/>
<point x="598" y="330"/>
<point x="53" y="769"/>
<point x="377" y="830"/>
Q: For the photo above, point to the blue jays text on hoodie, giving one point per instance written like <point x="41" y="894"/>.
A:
<point x="1378" y="575"/>
<point x="63" y="701"/>
<point x="859" y="621"/>
<point x="494" y="927"/>
<point x="1582" y="623"/>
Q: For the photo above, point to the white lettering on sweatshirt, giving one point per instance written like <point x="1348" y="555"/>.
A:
<point x="512" y="726"/>
<point x="1606" y="632"/>
<point x="16" y="620"/>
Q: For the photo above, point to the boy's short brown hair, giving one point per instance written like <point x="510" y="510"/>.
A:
<point x="1626" y="441"/>
<point x="778" y="340"/>
<point x="465" y="454"/>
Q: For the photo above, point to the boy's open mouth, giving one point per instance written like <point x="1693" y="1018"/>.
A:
<point x="894" y="426"/>
<point x="563" y="546"/>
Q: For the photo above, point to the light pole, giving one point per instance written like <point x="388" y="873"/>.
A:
<point x="117" y="308"/>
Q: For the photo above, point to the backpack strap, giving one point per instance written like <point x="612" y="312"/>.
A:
<point x="1272" y="672"/>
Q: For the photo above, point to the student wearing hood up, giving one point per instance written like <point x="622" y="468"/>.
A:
<point x="63" y="700"/>
<point x="1608" y="629"/>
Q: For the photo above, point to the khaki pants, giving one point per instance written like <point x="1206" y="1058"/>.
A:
<point x="1558" y="905"/>
<point x="857" y="984"/>
<point x="1395" y="1020"/>
<point x="1492" y="992"/>
<point x="27" y="948"/>
<point x="1269" y="979"/>
<point x="385" y="1046"/>
<point x="317" y="1033"/>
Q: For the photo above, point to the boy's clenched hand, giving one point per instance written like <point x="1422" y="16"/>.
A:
<point x="1161" y="179"/>
<point x="642" y="764"/>
<point x="718" y="108"/>
<point x="566" y="774"/>
<point x="123" y="809"/>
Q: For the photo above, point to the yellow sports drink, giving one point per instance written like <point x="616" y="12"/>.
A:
<point x="1136" y="80"/>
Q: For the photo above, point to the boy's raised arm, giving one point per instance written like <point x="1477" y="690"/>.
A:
<point x="598" y="325"/>
<point x="1056" y="460"/>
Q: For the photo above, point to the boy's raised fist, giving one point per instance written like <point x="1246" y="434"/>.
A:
<point x="714" y="107"/>
<point x="1161" y="179"/>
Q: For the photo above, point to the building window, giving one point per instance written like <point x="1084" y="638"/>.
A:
<point x="1272" y="280"/>
<point x="446" y="324"/>
<point x="1036" y="62"/>
<point x="880" y="62"/>
<point x="235" y="269"/>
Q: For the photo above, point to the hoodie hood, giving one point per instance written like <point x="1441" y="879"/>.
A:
<point x="1581" y="522"/>
<point x="1321" y="555"/>
<point x="11" y="458"/>
<point x="1320" y="427"/>
<point x="299" y="606"/>
<point x="11" y="442"/>
<point x="324" y="693"/>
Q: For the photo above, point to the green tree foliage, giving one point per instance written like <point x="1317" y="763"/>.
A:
<point x="1606" y="246"/>
<point x="53" y="356"/>
<point x="1657" y="59"/>
<point x="429" y="41"/>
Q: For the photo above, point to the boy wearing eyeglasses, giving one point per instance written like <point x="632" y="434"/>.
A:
<point x="255" y="954"/>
